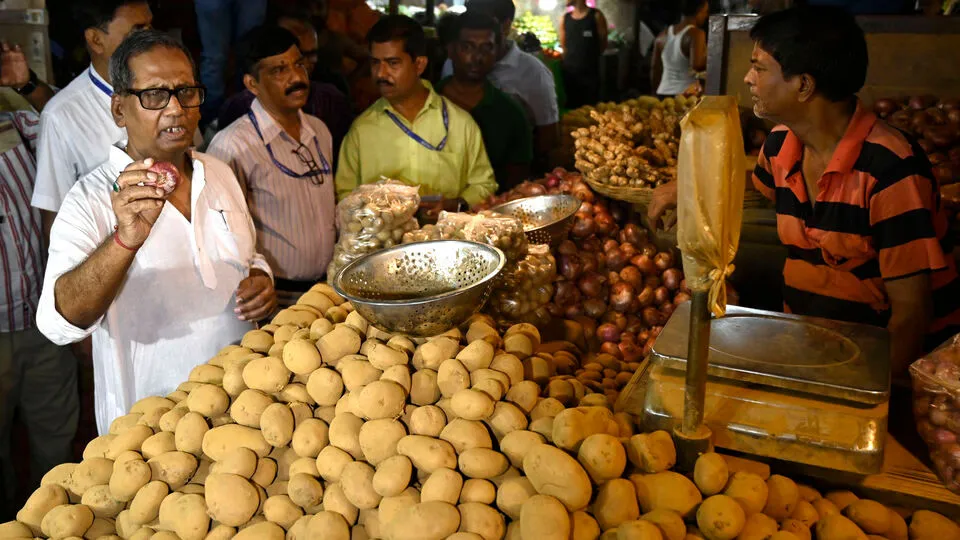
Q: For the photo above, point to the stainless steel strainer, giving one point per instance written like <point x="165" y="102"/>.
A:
<point x="546" y="218"/>
<point x="421" y="289"/>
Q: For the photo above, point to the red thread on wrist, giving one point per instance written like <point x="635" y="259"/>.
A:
<point x="116" y="238"/>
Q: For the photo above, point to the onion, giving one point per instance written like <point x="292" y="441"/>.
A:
<point x="590" y="285"/>
<point x="605" y="224"/>
<point x="629" y="250"/>
<point x="613" y="278"/>
<point x="612" y="349"/>
<point x="573" y="311"/>
<point x="621" y="296"/>
<point x="569" y="266"/>
<point x="667" y="309"/>
<point x="628" y="336"/>
<point x="940" y="136"/>
<point x="944" y="174"/>
<point x="615" y="260"/>
<point x="582" y="192"/>
<point x="567" y="294"/>
<point x="681" y="297"/>
<point x="591" y="244"/>
<point x="586" y="208"/>
<point x="645" y="297"/>
<point x="594" y="307"/>
<point x="631" y="351"/>
<point x="583" y="226"/>
<point x="672" y="278"/>
<point x="655" y="331"/>
<point x="608" y="332"/>
<point x="552" y="181"/>
<point x="651" y="317"/>
<point x="618" y="213"/>
<point x="617" y="318"/>
<point x="936" y="158"/>
<point x="634" y="324"/>
<point x="632" y="275"/>
<point x="610" y="244"/>
<point x="926" y="145"/>
<point x="643" y="335"/>
<point x="919" y="121"/>
<point x="949" y="104"/>
<point x="883" y="107"/>
<point x="663" y="260"/>
<point x="567" y="247"/>
<point x="589" y="261"/>
<point x="919" y="103"/>
<point x="649" y="249"/>
<point x="953" y="116"/>
<point x="651" y="281"/>
<point x="633" y="234"/>
<point x="644" y="263"/>
<point x="661" y="295"/>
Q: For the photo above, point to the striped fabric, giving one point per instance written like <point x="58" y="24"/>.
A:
<point x="877" y="218"/>
<point x="293" y="216"/>
<point x="21" y="248"/>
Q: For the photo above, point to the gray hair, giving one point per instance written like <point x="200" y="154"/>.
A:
<point x="135" y="44"/>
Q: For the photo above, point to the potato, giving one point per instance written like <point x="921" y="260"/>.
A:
<point x="583" y="527"/>
<point x="277" y="424"/>
<point x="382" y="399"/>
<point x="710" y="473"/>
<point x="782" y="535"/>
<point x="145" y="506"/>
<point x="432" y="520"/>
<point x="472" y="404"/>
<point x="220" y="440"/>
<point x="805" y="513"/>
<point x="516" y="444"/>
<point x="837" y="527"/>
<point x="330" y="463"/>
<point x="390" y="506"/>
<point x="466" y="435"/>
<point x="544" y="518"/>
<point x="384" y="357"/>
<point x="667" y="490"/>
<point x="311" y="436"/>
<point x="357" y="483"/>
<point x="101" y="528"/>
<point x="524" y="394"/>
<point x="392" y="476"/>
<point x="173" y="468"/>
<point x="603" y="457"/>
<point x="240" y="461"/>
<point x="749" y="490"/>
<point x="263" y="530"/>
<point x="188" y="437"/>
<point x="186" y="515"/>
<point x="66" y="520"/>
<point x="379" y="438"/>
<point x="98" y="447"/>
<point x="616" y="503"/>
<point x="553" y="472"/>
<point x="572" y="426"/>
<point x="482" y="463"/>
<point x="871" y="516"/>
<point x="720" y="517"/>
<point x="796" y="527"/>
<point x="432" y="353"/>
<point x="427" y="454"/>
<point x="758" y="527"/>
<point x="423" y="387"/>
<point x="208" y="400"/>
<point x="506" y="418"/>
<point x="335" y="501"/>
<point x="841" y="498"/>
<point x="898" y="527"/>
<point x="301" y="356"/>
<point x="231" y="499"/>
<point x="481" y="519"/>
<point x="304" y="490"/>
<point x="399" y="375"/>
<point x="61" y="475"/>
<point x="428" y="420"/>
<point x="669" y="522"/>
<point x="328" y="526"/>
<point x="442" y="485"/>
<point x="546" y="407"/>
<point x="925" y="524"/>
<point x="824" y="508"/>
<point x="509" y="365"/>
<point x="476" y="355"/>
<point x="99" y="500"/>
<point x="337" y="343"/>
<point x="635" y="530"/>
<point x="518" y="345"/>
<point x="257" y="340"/>
<point x="266" y="472"/>
<point x="325" y="386"/>
<point x="130" y="439"/>
<point x="92" y="472"/>
<point x="478" y="491"/>
<point x="511" y="495"/>
<point x="357" y="373"/>
<point x="249" y="406"/>
<point x="652" y="452"/>
<point x="41" y="501"/>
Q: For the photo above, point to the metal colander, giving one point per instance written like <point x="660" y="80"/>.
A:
<point x="421" y="289"/>
<point x="546" y="218"/>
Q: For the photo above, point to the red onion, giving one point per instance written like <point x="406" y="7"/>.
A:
<point x="649" y="249"/>
<point x="583" y="226"/>
<point x="667" y="309"/>
<point x="594" y="307"/>
<point x="567" y="247"/>
<point x="168" y="176"/>
<point x="919" y="103"/>
<point x="590" y="285"/>
<point x="631" y="351"/>
<point x="651" y="281"/>
<point x="883" y="107"/>
<point x="610" y="244"/>
<point x="612" y="349"/>
<point x="573" y="311"/>
<point x="651" y="317"/>
<point x="621" y="296"/>
<point x="645" y="297"/>
<point x="644" y="263"/>
<point x="608" y="332"/>
<point x="655" y="331"/>
<point x="661" y="295"/>
<point x="616" y="318"/>
<point x="569" y="266"/>
<point x="591" y="244"/>
<point x="671" y="278"/>
<point x="953" y="116"/>
<point x="615" y="260"/>
<point x="634" y="324"/>
<point x="681" y="297"/>
<point x="632" y="275"/>
<point x="605" y="224"/>
<point x="586" y="208"/>
<point x="618" y="213"/>
<point x="589" y="262"/>
<point x="643" y="336"/>
<point x="552" y="181"/>
<point x="627" y="335"/>
<point x="663" y="260"/>
<point x="613" y="278"/>
<point x="633" y="234"/>
<point x="567" y="294"/>
<point x="628" y="251"/>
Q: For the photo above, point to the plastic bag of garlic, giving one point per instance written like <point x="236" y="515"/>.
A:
<point x="325" y="427"/>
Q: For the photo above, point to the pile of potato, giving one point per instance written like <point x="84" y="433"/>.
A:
<point x="321" y="426"/>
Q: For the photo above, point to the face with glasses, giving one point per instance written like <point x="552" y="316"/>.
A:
<point x="474" y="54"/>
<point x="161" y="110"/>
<point x="281" y="83"/>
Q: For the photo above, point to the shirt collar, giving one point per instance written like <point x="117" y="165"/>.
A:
<point x="434" y="101"/>
<point x="848" y="150"/>
<point x="512" y="58"/>
<point x="99" y="83"/>
<point x="270" y="129"/>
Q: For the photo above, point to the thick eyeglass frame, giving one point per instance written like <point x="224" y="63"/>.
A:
<point x="179" y="92"/>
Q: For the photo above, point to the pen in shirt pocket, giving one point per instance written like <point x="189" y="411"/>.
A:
<point x="224" y="218"/>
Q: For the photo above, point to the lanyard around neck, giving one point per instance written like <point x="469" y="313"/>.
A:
<point x="414" y="136"/>
<point x="98" y="83"/>
<point x="283" y="168"/>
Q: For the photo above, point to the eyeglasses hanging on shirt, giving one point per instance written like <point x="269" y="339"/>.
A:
<point x="414" y="136"/>
<point x="314" y="173"/>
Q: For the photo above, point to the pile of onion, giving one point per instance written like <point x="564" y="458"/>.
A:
<point x="936" y="125"/>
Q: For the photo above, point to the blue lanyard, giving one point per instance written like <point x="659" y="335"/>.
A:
<point x="414" y="136"/>
<point x="96" y="82"/>
<point x="283" y="168"/>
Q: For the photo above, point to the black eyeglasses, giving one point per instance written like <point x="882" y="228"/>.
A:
<point x="155" y="99"/>
<point x="315" y="172"/>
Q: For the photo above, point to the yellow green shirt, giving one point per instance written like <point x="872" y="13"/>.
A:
<point x="376" y="147"/>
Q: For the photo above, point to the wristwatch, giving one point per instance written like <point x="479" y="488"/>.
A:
<point x="28" y="88"/>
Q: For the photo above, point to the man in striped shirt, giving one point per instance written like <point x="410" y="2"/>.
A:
<point x="282" y="158"/>
<point x="857" y="205"/>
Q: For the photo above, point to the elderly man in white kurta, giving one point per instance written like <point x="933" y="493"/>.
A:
<point x="162" y="280"/>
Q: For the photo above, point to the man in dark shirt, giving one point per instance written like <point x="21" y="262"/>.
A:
<point x="325" y="101"/>
<point x="507" y="135"/>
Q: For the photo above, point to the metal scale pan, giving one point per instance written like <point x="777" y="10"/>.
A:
<point x="800" y="389"/>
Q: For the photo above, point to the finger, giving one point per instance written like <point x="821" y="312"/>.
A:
<point x="261" y="312"/>
<point x="133" y="177"/>
<point x="254" y="296"/>
<point x="260" y="307"/>
<point x="136" y="193"/>
<point x="145" y="205"/>
<point x="140" y="165"/>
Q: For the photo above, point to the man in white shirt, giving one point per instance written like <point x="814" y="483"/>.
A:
<point x="523" y="76"/>
<point x="76" y="127"/>
<point x="162" y="280"/>
<point x="282" y="158"/>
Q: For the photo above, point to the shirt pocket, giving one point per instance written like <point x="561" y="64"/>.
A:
<point x="449" y="176"/>
<point x="232" y="239"/>
<point x="845" y="249"/>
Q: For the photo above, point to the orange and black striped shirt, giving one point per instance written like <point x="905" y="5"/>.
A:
<point x="877" y="218"/>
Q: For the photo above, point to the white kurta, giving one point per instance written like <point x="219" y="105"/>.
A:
<point x="175" y="309"/>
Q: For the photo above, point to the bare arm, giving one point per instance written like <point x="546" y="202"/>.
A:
<point x="562" y="34"/>
<point x="656" y="66"/>
<point x="47" y="218"/>
<point x="15" y="73"/>
<point x="602" y="30"/>
<point x="911" y="307"/>
<point x="698" y="49"/>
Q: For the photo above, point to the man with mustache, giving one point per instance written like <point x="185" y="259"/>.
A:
<point x="412" y="133"/>
<point x="282" y="158"/>
<point x="153" y="253"/>
<point x="506" y="133"/>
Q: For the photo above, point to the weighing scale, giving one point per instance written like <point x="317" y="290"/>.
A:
<point x="799" y="389"/>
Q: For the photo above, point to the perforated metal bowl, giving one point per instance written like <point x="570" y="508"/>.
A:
<point x="421" y="289"/>
<point x="546" y="218"/>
